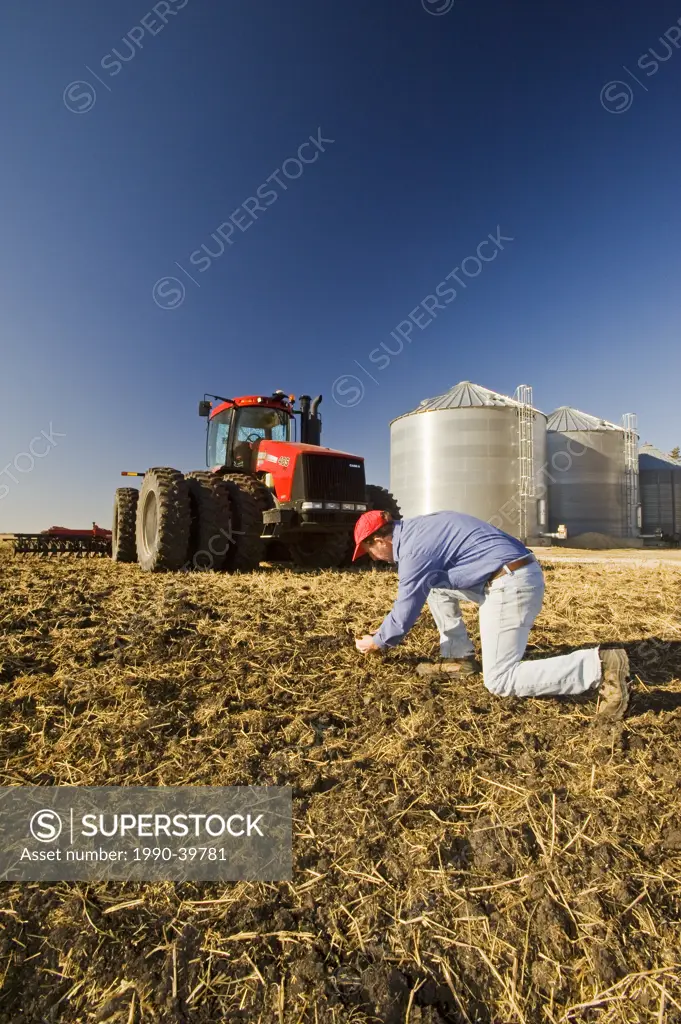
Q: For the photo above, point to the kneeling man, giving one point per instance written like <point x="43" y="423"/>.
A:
<point x="445" y="557"/>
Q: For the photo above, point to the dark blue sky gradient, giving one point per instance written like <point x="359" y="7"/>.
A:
<point x="445" y="129"/>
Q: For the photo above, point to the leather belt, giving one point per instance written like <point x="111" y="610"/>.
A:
<point x="512" y="566"/>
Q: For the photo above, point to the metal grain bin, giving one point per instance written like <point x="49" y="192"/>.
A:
<point x="464" y="451"/>
<point x="586" y="474"/>
<point x="660" y="485"/>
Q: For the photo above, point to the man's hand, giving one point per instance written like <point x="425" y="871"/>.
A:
<point x="366" y="644"/>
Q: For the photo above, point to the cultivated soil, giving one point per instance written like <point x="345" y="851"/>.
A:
<point x="457" y="857"/>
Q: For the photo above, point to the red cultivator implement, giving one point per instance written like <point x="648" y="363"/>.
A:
<point x="60" y="541"/>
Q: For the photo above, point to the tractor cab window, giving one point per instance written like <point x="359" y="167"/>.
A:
<point x="232" y="433"/>
<point x="218" y="438"/>
<point x="258" y="423"/>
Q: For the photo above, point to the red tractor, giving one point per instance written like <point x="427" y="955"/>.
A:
<point x="265" y="497"/>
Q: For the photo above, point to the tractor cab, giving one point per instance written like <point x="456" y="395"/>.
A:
<point x="236" y="427"/>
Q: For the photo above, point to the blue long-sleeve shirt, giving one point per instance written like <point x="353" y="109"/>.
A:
<point x="444" y="549"/>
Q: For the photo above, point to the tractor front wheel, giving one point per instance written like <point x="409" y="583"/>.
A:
<point x="163" y="521"/>
<point x="123" y="546"/>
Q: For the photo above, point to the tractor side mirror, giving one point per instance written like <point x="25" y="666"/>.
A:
<point x="204" y="408"/>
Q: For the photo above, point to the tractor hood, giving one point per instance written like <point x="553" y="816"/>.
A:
<point x="306" y="471"/>
<point x="273" y="452"/>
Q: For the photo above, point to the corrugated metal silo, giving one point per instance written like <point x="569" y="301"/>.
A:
<point x="660" y="484"/>
<point x="586" y="474"/>
<point x="464" y="451"/>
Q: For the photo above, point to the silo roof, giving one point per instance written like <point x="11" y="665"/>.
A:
<point x="650" y="457"/>
<point x="464" y="395"/>
<point x="566" y="418"/>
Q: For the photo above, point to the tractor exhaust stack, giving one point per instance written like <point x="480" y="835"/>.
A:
<point x="310" y="420"/>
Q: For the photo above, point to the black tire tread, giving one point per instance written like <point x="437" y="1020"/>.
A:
<point x="123" y="539"/>
<point x="211" y="509"/>
<point x="247" y="550"/>
<point x="260" y="492"/>
<point x="174" y="520"/>
<point x="380" y="498"/>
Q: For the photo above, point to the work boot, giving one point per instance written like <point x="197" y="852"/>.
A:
<point x="613" y="689"/>
<point x="450" y="667"/>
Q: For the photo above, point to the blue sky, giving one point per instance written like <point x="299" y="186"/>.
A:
<point x="442" y="128"/>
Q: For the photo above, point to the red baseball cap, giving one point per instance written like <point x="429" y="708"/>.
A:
<point x="367" y="524"/>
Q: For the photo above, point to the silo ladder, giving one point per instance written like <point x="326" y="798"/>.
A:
<point x="523" y="397"/>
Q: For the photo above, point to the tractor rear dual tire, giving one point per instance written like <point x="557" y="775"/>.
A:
<point x="210" y="533"/>
<point x="163" y="521"/>
<point x="123" y="545"/>
<point x="247" y="550"/>
<point x="269" y="550"/>
<point x="260" y="493"/>
<point x="202" y="521"/>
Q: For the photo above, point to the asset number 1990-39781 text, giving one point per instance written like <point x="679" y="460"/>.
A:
<point x="182" y="853"/>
